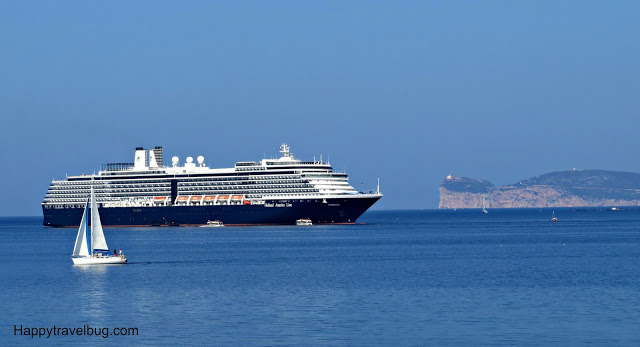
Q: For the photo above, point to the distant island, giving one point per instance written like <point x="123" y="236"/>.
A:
<point x="574" y="188"/>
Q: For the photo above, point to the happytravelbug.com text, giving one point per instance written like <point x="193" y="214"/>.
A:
<point x="85" y="330"/>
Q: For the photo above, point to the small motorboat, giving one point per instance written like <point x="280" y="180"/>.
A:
<point x="213" y="224"/>
<point x="304" y="221"/>
<point x="553" y="217"/>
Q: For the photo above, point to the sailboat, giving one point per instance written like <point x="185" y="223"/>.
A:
<point x="484" y="205"/>
<point x="91" y="246"/>
<point x="553" y="217"/>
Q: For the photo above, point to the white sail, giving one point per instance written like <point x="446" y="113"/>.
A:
<point x="81" y="248"/>
<point x="98" y="242"/>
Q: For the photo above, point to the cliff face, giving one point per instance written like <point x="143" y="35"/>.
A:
<point x="577" y="188"/>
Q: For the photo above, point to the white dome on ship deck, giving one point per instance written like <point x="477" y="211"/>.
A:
<point x="200" y="159"/>
<point x="175" y="161"/>
<point x="189" y="160"/>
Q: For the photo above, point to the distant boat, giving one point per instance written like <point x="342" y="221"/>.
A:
<point x="553" y="217"/>
<point x="91" y="246"/>
<point x="213" y="224"/>
<point x="484" y="205"/>
<point x="304" y="221"/>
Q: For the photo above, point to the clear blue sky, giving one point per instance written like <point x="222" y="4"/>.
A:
<point x="408" y="91"/>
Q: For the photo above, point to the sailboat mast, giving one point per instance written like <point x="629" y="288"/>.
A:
<point x="90" y="214"/>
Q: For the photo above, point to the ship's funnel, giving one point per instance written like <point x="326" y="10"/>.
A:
<point x="155" y="157"/>
<point x="140" y="159"/>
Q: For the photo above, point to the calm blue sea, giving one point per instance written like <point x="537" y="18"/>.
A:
<point x="400" y="277"/>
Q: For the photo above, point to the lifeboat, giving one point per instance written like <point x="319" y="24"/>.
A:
<point x="223" y="197"/>
<point x="236" y="197"/>
<point x="182" y="199"/>
<point x="196" y="198"/>
<point x="209" y="198"/>
<point x="246" y="202"/>
<point x="158" y="198"/>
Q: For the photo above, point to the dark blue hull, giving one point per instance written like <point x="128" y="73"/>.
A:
<point x="272" y="212"/>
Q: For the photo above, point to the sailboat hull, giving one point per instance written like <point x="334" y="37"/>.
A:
<point x="98" y="260"/>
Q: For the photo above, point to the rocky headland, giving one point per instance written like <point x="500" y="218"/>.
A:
<point x="575" y="188"/>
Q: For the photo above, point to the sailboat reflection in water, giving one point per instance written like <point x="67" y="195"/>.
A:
<point x="91" y="246"/>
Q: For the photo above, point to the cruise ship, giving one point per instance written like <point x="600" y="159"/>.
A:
<point x="148" y="193"/>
